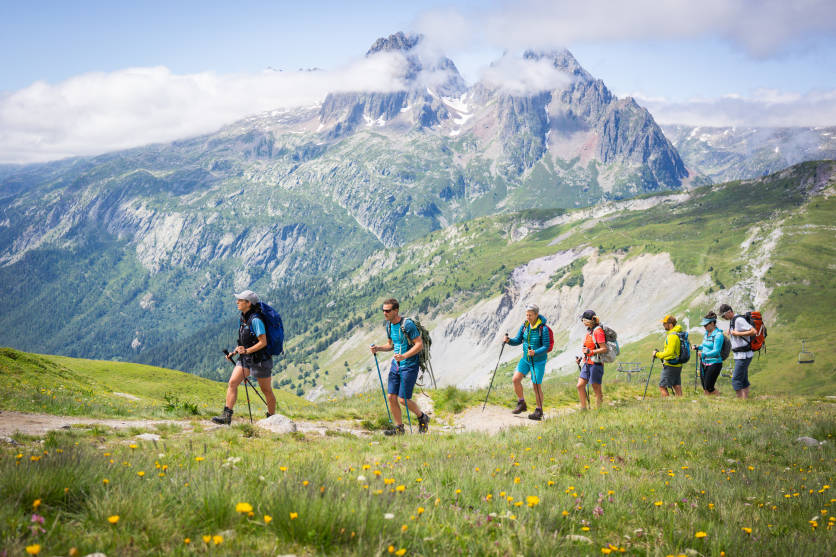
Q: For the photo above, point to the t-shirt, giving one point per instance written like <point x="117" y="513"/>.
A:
<point x="258" y="327"/>
<point x="399" y="341"/>
<point x="596" y="335"/>
<point x="740" y="324"/>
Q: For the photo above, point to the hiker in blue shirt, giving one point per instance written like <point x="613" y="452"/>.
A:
<point x="405" y="339"/>
<point x="254" y="357"/>
<point x="710" y="354"/>
<point x="534" y="337"/>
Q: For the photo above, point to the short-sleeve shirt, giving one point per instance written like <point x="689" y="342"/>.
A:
<point x="258" y="327"/>
<point x="740" y="324"/>
<point x="596" y="335"/>
<point x="399" y="341"/>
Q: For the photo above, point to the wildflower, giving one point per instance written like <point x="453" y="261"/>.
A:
<point x="400" y="552"/>
<point x="516" y="479"/>
<point x="34" y="458"/>
<point x="606" y="550"/>
<point x="187" y="541"/>
<point x="418" y="480"/>
<point x="37" y="518"/>
<point x="132" y="446"/>
<point x="400" y="488"/>
<point x="565" y="513"/>
<point x="243" y="508"/>
<point x="420" y="510"/>
<point x="113" y="519"/>
<point x="217" y="540"/>
<point x="283" y="468"/>
<point x="404" y="528"/>
<point x="293" y="516"/>
<point x="199" y="459"/>
<point x="391" y="549"/>
<point x="700" y="534"/>
<point x="33" y="549"/>
<point x="747" y="530"/>
<point x="658" y="503"/>
<point x="105" y="481"/>
<point x="207" y="539"/>
<point x="140" y="473"/>
<point x="532" y="500"/>
<point x="267" y="519"/>
<point x="305" y="483"/>
<point x="36" y="503"/>
<point x="388" y="516"/>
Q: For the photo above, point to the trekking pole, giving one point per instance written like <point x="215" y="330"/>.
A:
<point x="382" y="390"/>
<point x="696" y="370"/>
<point x="648" y="376"/>
<point x="246" y="378"/>
<point x="492" y="377"/>
<point x="578" y="361"/>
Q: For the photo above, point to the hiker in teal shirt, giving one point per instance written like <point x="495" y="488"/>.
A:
<point x="711" y="360"/>
<point x="534" y="337"/>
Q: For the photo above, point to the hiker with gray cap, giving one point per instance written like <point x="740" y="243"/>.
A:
<point x="536" y="338"/>
<point x="254" y="357"/>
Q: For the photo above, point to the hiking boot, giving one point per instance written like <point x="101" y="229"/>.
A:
<point x="423" y="423"/>
<point x="536" y="415"/>
<point x="521" y="407"/>
<point x="225" y="418"/>
<point x="268" y="414"/>
<point x="397" y="430"/>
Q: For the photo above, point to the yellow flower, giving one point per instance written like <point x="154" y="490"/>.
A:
<point x="532" y="500"/>
<point x="187" y="541"/>
<point x="293" y="515"/>
<point x="207" y="539"/>
<point x="606" y="550"/>
<point x="199" y="459"/>
<point x="458" y="491"/>
<point x="420" y="510"/>
<point x="747" y="530"/>
<point x="403" y="528"/>
<point x="267" y="519"/>
<point x="36" y="503"/>
<point x="658" y="503"/>
<point x="516" y="479"/>
<point x="132" y="446"/>
<point x="105" y="481"/>
<point x="305" y="483"/>
<point x="33" y="549"/>
<point x="565" y="513"/>
<point x="585" y="528"/>
<point x="243" y="508"/>
<point x="140" y="473"/>
<point x="400" y="488"/>
<point x="418" y="480"/>
<point x="700" y="534"/>
<point x="391" y="549"/>
<point x="113" y="519"/>
<point x="217" y="540"/>
<point x="283" y="468"/>
<point x="400" y="552"/>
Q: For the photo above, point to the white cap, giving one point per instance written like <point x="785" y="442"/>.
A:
<point x="533" y="307"/>
<point x="248" y="295"/>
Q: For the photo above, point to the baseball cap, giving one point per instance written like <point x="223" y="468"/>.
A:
<point x="588" y="314"/>
<point x="668" y="319"/>
<point x="532" y="307"/>
<point x="248" y="295"/>
<point x="706" y="320"/>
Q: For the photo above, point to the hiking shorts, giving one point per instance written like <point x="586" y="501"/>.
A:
<point x="740" y="375"/>
<point x="537" y="370"/>
<point x="402" y="379"/>
<point x="671" y="376"/>
<point x="593" y="373"/>
<point x="709" y="375"/>
<point x="259" y="370"/>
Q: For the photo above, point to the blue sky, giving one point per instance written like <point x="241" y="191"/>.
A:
<point x="758" y="61"/>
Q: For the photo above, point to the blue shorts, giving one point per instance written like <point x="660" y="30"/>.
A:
<point x="593" y="373"/>
<point x="402" y="379"/>
<point x="740" y="375"/>
<point x="525" y="366"/>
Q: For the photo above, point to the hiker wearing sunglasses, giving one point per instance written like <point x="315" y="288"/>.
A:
<point x="592" y="371"/>
<point x="403" y="372"/>
<point x="534" y="336"/>
<point x="710" y="354"/>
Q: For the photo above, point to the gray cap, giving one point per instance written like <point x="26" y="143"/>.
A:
<point x="533" y="307"/>
<point x="248" y="295"/>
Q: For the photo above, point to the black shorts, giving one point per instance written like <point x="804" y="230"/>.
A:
<point x="259" y="370"/>
<point x="709" y="375"/>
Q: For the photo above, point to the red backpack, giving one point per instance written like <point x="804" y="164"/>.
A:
<point x="756" y="320"/>
<point x="551" y="335"/>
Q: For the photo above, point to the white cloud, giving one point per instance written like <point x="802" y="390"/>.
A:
<point x="518" y="76"/>
<point x="762" y="27"/>
<point x="767" y="107"/>
<point x="98" y="112"/>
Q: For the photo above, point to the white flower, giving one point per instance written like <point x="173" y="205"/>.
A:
<point x="361" y="478"/>
<point x="388" y="516"/>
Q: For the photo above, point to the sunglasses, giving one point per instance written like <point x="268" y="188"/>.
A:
<point x="388" y="310"/>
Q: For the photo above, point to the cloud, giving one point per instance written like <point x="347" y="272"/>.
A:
<point x="98" y="112"/>
<point x="518" y="76"/>
<point x="766" y="108"/>
<point x="761" y="27"/>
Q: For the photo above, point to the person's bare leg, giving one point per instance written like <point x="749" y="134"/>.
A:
<point x="663" y="391"/>
<point x="395" y="408"/>
<point x="235" y="379"/>
<point x="517" y="381"/>
<point x="582" y="393"/>
<point x="677" y="389"/>
<point x="412" y="406"/>
<point x="599" y="394"/>
<point x="746" y="392"/>
<point x="269" y="396"/>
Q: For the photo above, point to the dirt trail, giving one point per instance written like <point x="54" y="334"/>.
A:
<point x="497" y="418"/>
<point x="41" y="424"/>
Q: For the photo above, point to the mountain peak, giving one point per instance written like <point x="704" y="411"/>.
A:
<point x="561" y="59"/>
<point x="395" y="42"/>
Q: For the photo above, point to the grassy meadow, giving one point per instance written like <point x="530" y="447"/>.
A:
<point x="661" y="477"/>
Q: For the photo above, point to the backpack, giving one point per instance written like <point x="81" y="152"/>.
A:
<point x="611" y="338"/>
<point x="684" y="349"/>
<point x="726" y="349"/>
<point x="275" y="328"/>
<point x="756" y="342"/>
<point x="549" y="331"/>
<point x="424" y="354"/>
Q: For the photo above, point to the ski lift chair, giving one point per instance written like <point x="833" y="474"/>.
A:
<point x="805" y="356"/>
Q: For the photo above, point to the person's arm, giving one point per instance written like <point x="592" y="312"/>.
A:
<point x="517" y="340"/>
<point x="600" y="340"/>
<point x="670" y="347"/>
<point x="416" y="348"/>
<point x="750" y="332"/>
<point x="716" y="347"/>
<point x="258" y="329"/>
<point x="388" y="347"/>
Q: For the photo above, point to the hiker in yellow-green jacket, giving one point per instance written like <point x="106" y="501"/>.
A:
<point x="671" y="368"/>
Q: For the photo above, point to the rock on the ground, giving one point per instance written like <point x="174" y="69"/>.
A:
<point x="277" y="424"/>
<point x="809" y="441"/>
<point x="148" y="437"/>
<point x="9" y="440"/>
<point x="577" y="538"/>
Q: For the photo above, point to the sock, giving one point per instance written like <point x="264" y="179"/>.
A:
<point x="521" y="400"/>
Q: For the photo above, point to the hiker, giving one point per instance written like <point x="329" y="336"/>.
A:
<point x="671" y="367"/>
<point x="405" y="339"/>
<point x="254" y="357"/>
<point x="533" y="335"/>
<point x="592" y="372"/>
<point x="710" y="354"/>
<point x="739" y="328"/>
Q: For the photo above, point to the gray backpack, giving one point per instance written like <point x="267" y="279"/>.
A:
<point x="611" y="337"/>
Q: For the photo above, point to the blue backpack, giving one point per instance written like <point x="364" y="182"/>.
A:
<point x="684" y="349"/>
<point x="275" y="329"/>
